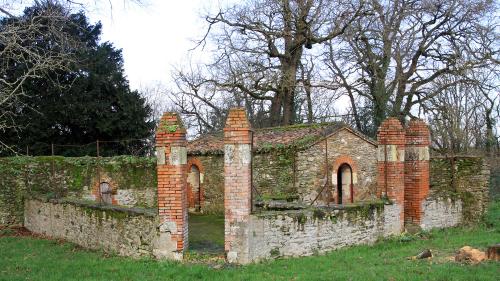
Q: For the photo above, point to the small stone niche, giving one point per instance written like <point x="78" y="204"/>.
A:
<point x="105" y="193"/>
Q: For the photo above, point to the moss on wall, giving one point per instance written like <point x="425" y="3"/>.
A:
<point x="272" y="177"/>
<point x="114" y="229"/>
<point x="462" y="178"/>
<point x="57" y="176"/>
<point x="495" y="177"/>
<point x="353" y="213"/>
<point x="213" y="183"/>
<point x="273" y="174"/>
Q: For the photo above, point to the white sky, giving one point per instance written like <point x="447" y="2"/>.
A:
<point x="157" y="37"/>
<point x="153" y="38"/>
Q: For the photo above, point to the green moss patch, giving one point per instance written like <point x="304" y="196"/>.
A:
<point x="352" y="212"/>
<point x="461" y="178"/>
<point x="57" y="177"/>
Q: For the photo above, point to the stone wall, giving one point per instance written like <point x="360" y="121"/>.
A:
<point x="307" y="232"/>
<point x="463" y="178"/>
<point x="311" y="167"/>
<point x="272" y="177"/>
<point x="392" y="219"/>
<point x="273" y="174"/>
<point x="132" y="179"/>
<point x="119" y="230"/>
<point x="495" y="177"/>
<point x="441" y="213"/>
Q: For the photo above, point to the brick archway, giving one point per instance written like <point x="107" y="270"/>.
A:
<point x="340" y="163"/>
<point x="195" y="194"/>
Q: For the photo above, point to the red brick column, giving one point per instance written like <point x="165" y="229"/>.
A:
<point x="172" y="192"/>
<point x="391" y="152"/>
<point x="416" y="170"/>
<point x="237" y="185"/>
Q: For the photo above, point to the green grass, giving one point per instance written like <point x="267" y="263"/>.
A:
<point x="206" y="233"/>
<point x="36" y="259"/>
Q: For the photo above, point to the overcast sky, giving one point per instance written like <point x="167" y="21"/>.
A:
<point x="153" y="38"/>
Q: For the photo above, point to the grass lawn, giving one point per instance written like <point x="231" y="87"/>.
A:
<point x="206" y="233"/>
<point x="28" y="258"/>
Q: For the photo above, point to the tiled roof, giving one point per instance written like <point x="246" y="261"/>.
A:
<point x="299" y="136"/>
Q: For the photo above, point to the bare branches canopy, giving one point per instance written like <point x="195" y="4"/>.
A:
<point x="289" y="61"/>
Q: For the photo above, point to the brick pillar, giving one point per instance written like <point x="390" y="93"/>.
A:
<point x="390" y="164"/>
<point x="172" y="189"/>
<point x="237" y="185"/>
<point x="416" y="170"/>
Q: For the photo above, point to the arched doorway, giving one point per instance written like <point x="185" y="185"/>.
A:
<point x="194" y="190"/>
<point x="345" y="190"/>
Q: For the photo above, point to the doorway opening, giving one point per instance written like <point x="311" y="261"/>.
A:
<point x="194" y="189"/>
<point x="345" y="192"/>
<point x="206" y="230"/>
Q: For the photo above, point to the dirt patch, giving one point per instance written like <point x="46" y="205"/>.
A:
<point x="15" y="231"/>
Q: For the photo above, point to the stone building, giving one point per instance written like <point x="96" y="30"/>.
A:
<point x="330" y="166"/>
<point x="321" y="163"/>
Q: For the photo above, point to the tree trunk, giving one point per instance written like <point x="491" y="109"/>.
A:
<point x="355" y="111"/>
<point x="275" y="112"/>
<point x="490" y="138"/>
<point x="288" y="87"/>
<point x="288" y="107"/>
<point x="379" y="114"/>
<point x="307" y="88"/>
<point x="379" y="103"/>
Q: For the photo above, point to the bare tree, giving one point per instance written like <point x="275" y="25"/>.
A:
<point x="462" y="118"/>
<point x="20" y="50"/>
<point x="392" y="56"/>
<point x="20" y="53"/>
<point x="156" y="98"/>
<point x="260" y="45"/>
<point x="205" y="106"/>
<point x="489" y="88"/>
<point x="198" y="101"/>
<point x="455" y="118"/>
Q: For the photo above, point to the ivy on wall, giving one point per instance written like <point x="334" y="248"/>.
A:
<point x="274" y="174"/>
<point x="462" y="178"/>
<point x="56" y="177"/>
